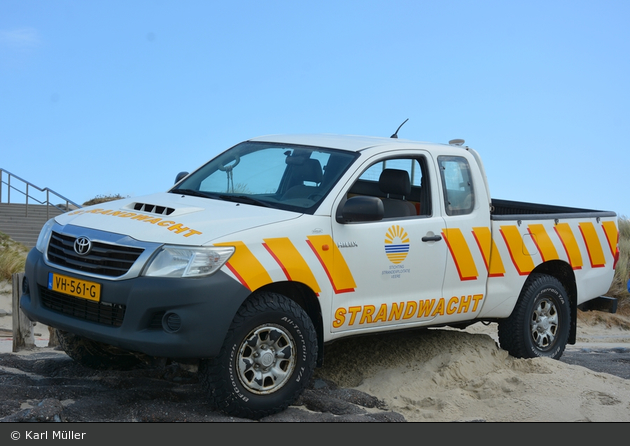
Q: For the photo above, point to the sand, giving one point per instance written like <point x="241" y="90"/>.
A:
<point x="440" y="375"/>
<point x="446" y="375"/>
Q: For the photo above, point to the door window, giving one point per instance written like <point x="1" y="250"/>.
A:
<point x="402" y="183"/>
<point x="459" y="194"/>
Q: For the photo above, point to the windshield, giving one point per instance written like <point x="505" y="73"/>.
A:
<point x="282" y="176"/>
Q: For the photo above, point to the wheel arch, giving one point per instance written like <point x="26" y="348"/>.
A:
<point x="306" y="298"/>
<point x="564" y="273"/>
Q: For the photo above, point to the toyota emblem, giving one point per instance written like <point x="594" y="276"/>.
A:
<point x="82" y="246"/>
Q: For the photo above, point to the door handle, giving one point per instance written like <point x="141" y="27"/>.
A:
<point x="431" y="238"/>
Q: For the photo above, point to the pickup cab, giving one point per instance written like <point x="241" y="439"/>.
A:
<point x="252" y="263"/>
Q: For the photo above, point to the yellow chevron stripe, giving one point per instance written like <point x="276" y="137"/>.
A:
<point x="543" y="242"/>
<point x="291" y="261"/>
<point x="489" y="251"/>
<point x="333" y="263"/>
<point x="461" y="254"/>
<point x="612" y="234"/>
<point x="521" y="258"/>
<point x="593" y="245"/>
<point x="246" y="267"/>
<point x="570" y="245"/>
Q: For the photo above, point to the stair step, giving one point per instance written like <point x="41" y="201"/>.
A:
<point x="23" y="225"/>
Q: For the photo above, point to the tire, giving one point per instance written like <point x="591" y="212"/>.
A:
<point x="96" y="355"/>
<point x="266" y="360"/>
<point x="539" y="325"/>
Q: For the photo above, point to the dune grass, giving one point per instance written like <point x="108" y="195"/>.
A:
<point x="103" y="198"/>
<point x="619" y="286"/>
<point x="12" y="257"/>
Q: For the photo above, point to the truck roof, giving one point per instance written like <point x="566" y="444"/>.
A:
<point x="345" y="142"/>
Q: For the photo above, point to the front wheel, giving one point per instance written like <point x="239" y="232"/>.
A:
<point x="266" y="361"/>
<point x="539" y="325"/>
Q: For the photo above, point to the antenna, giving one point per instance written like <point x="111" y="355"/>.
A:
<point x="395" y="135"/>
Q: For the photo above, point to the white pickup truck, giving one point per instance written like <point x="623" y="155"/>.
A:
<point x="251" y="264"/>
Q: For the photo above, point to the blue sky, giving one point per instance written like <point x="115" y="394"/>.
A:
<point x="117" y="97"/>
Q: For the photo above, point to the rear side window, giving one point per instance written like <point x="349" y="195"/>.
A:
<point x="459" y="195"/>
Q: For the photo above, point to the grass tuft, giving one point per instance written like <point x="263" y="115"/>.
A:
<point x="102" y="199"/>
<point x="12" y="257"/>
<point x="619" y="286"/>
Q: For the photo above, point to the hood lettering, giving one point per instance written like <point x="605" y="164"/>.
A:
<point x="171" y="225"/>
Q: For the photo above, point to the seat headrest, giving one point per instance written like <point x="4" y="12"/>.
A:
<point x="309" y="170"/>
<point x="395" y="181"/>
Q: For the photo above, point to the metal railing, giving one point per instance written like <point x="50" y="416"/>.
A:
<point x="26" y="193"/>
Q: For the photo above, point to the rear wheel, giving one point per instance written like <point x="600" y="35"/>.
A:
<point x="96" y="355"/>
<point x="266" y="360"/>
<point x="539" y="325"/>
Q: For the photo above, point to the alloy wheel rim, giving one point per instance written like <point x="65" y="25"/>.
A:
<point x="266" y="359"/>
<point x="544" y="324"/>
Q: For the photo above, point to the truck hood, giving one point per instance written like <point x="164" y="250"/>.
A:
<point x="173" y="218"/>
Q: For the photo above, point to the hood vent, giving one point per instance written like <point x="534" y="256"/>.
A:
<point x="153" y="209"/>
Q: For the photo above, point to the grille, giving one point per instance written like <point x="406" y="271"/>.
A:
<point x="100" y="312"/>
<point x="104" y="258"/>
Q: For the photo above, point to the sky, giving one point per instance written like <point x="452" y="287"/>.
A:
<point x="116" y="97"/>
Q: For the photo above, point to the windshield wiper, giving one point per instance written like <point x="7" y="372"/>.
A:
<point x="194" y="193"/>
<point x="235" y="198"/>
<point x="243" y="199"/>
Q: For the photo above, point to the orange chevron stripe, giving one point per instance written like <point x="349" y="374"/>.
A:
<point x="246" y="266"/>
<point x="333" y="263"/>
<point x="593" y="245"/>
<point x="521" y="258"/>
<point x="612" y="235"/>
<point x="291" y="261"/>
<point x="461" y="254"/>
<point x="489" y="251"/>
<point x="543" y="242"/>
<point x="570" y="245"/>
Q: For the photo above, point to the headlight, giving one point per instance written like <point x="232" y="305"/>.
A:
<point x="44" y="236"/>
<point x="181" y="261"/>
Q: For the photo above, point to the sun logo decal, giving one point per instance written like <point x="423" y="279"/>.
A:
<point x="396" y="244"/>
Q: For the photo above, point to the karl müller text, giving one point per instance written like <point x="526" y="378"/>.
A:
<point x="55" y="435"/>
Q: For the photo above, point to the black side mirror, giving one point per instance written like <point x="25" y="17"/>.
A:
<point x="361" y="208"/>
<point x="179" y="176"/>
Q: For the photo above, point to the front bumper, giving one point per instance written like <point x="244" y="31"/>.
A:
<point x="131" y="313"/>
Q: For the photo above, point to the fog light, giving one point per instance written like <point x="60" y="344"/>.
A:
<point x="171" y="322"/>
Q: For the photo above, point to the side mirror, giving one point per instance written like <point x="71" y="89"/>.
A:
<point x="361" y="208"/>
<point x="179" y="176"/>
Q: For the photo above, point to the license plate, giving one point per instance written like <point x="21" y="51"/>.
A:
<point x="74" y="287"/>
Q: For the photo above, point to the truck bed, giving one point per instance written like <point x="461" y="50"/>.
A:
<point x="506" y="210"/>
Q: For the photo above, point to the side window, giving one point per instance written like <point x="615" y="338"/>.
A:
<point x="401" y="183"/>
<point x="459" y="194"/>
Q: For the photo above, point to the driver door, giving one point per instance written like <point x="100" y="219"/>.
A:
<point x="397" y="263"/>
